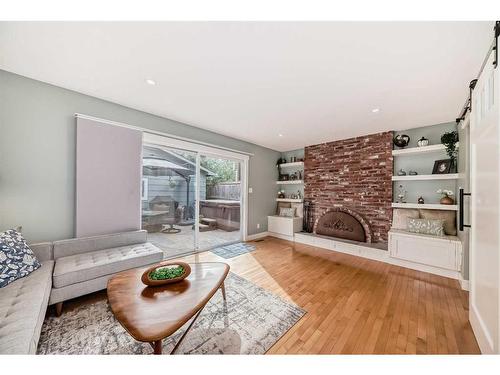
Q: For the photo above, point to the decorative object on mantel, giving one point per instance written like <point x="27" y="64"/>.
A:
<point x="446" y="196"/>
<point x="166" y="273"/>
<point x="401" y="172"/>
<point x="401" y="194"/>
<point x="308" y="218"/>
<point x="442" y="166"/>
<point x="281" y="194"/>
<point x="413" y="173"/>
<point x="422" y="142"/>
<point x="280" y="161"/>
<point x="284" y="177"/>
<point x="450" y="140"/>
<point x="299" y="194"/>
<point x="420" y="200"/>
<point x="401" y="140"/>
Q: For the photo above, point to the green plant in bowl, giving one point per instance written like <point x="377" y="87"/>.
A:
<point x="166" y="273"/>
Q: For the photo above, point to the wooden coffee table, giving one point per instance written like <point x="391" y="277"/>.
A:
<point x="150" y="314"/>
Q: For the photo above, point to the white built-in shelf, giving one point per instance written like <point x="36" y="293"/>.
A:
<point x="420" y="150"/>
<point x="297" y="164"/>
<point x="426" y="177"/>
<point x="289" y="200"/>
<point x="437" y="206"/>
<point x="290" y="182"/>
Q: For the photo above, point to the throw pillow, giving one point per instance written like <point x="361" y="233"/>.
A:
<point x="449" y="218"/>
<point x="400" y="217"/>
<point x="287" y="212"/>
<point x="282" y="204"/>
<point x="16" y="258"/>
<point x="426" y="226"/>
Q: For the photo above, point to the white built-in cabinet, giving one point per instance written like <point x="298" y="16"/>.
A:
<point x="442" y="252"/>
<point x="285" y="226"/>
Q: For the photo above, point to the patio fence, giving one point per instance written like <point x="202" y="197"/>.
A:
<point x="224" y="190"/>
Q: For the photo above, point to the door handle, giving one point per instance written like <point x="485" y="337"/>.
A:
<point x="461" y="224"/>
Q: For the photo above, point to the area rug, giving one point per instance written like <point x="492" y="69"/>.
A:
<point x="250" y="322"/>
<point x="231" y="251"/>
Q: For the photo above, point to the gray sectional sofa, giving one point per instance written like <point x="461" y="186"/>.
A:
<point x="70" y="268"/>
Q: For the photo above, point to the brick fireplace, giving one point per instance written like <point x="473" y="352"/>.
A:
<point x="354" y="177"/>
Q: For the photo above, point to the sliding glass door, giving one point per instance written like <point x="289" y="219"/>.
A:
<point x="169" y="198"/>
<point x="191" y="200"/>
<point x="220" y="202"/>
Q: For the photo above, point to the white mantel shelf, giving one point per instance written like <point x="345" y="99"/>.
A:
<point x="446" y="207"/>
<point x="425" y="177"/>
<point x="297" y="164"/>
<point x="420" y="150"/>
<point x="290" y="200"/>
<point x="290" y="182"/>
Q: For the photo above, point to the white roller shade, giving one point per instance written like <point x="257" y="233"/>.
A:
<point x="108" y="178"/>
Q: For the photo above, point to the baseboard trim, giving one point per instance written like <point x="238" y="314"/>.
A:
<point x="478" y="327"/>
<point x="464" y="284"/>
<point x="256" y="236"/>
<point x="281" y="236"/>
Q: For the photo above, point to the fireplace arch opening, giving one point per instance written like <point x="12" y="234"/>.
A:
<point x="343" y="223"/>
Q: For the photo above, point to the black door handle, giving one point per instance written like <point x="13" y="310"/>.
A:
<point x="461" y="224"/>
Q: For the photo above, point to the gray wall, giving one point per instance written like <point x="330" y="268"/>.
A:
<point x="423" y="164"/>
<point x="37" y="156"/>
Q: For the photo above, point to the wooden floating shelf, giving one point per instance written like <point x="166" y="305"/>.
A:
<point x="297" y="164"/>
<point x="420" y="150"/>
<point x="436" y="206"/>
<point x="290" y="182"/>
<point x="425" y="177"/>
<point x="289" y="200"/>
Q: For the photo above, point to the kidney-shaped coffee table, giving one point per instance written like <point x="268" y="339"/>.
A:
<point x="150" y="314"/>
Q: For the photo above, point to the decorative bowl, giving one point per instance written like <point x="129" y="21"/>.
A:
<point x="146" y="276"/>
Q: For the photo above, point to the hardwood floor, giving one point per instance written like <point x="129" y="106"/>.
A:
<point x="356" y="305"/>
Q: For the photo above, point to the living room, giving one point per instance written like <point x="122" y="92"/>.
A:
<point x="250" y="187"/>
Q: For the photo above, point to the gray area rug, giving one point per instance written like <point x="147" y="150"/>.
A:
<point x="231" y="251"/>
<point x="252" y="320"/>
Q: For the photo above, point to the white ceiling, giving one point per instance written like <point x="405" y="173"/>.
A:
<point x="311" y="82"/>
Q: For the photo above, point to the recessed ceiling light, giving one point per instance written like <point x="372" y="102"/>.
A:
<point x="150" y="82"/>
<point x="280" y="135"/>
<point x="375" y="110"/>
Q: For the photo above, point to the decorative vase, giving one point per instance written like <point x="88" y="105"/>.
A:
<point x="422" y="142"/>
<point x="446" y="200"/>
<point x="401" y="140"/>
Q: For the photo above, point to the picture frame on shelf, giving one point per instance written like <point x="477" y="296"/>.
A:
<point x="442" y="166"/>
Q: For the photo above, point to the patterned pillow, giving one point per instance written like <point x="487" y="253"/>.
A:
<point x="287" y="212"/>
<point x="426" y="226"/>
<point x="16" y="258"/>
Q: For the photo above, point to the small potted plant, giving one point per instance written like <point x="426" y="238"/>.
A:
<point x="446" y="196"/>
<point x="449" y="140"/>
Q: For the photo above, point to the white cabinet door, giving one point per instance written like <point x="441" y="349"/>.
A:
<point x="485" y="224"/>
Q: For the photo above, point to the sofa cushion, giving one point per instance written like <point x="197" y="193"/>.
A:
<point x="449" y="218"/>
<point x="87" y="266"/>
<point x="400" y="217"/>
<point x="17" y="260"/>
<point x="81" y="245"/>
<point x="23" y="304"/>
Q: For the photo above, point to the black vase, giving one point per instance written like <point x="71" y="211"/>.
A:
<point x="401" y="140"/>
